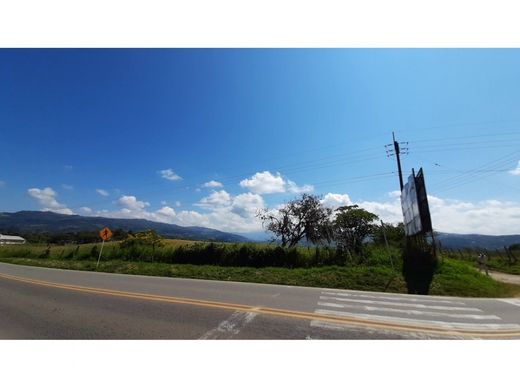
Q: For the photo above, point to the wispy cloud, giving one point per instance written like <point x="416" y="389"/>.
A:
<point x="215" y="199"/>
<point x="516" y="171"/>
<point x="47" y="198"/>
<point x="212" y="184"/>
<point x="102" y="192"/>
<point x="292" y="187"/>
<point x="2" y="183"/>
<point x="168" y="174"/>
<point x="131" y="202"/>
<point x="267" y="183"/>
<point x="67" y="187"/>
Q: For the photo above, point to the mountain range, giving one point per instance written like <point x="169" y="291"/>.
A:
<point x="459" y="241"/>
<point x="46" y="221"/>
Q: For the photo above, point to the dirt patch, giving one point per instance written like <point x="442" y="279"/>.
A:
<point x="506" y="278"/>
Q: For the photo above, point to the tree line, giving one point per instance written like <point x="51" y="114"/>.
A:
<point x="348" y="228"/>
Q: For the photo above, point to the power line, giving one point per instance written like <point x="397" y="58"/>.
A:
<point x="476" y="174"/>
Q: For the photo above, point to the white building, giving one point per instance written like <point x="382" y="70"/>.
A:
<point x="7" y="240"/>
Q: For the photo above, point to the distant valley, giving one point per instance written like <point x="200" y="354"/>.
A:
<point x="46" y="221"/>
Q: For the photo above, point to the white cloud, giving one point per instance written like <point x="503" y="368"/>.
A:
<point x="516" y="171"/>
<point x="264" y="183"/>
<point x="292" y="187"/>
<point x="131" y="202"/>
<point x="47" y="198"/>
<point x="177" y="204"/>
<point x="164" y="214"/>
<point x="394" y="194"/>
<point x="215" y="199"/>
<point x="223" y="212"/>
<point x="192" y="218"/>
<point x="492" y="216"/>
<point x="67" y="187"/>
<point x="336" y="200"/>
<point x="212" y="184"/>
<point x="102" y="192"/>
<point x="166" y="211"/>
<point x="168" y="174"/>
<point x="484" y="217"/>
<point x="246" y="205"/>
<point x="267" y="183"/>
<point x="85" y="210"/>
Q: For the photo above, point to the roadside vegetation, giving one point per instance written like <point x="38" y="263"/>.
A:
<point x="314" y="246"/>
<point x="506" y="260"/>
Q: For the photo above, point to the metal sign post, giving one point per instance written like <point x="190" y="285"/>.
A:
<point x="101" y="251"/>
<point x="105" y="235"/>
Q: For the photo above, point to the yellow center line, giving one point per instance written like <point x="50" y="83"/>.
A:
<point x="345" y="320"/>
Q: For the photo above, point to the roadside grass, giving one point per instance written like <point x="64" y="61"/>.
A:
<point x="76" y="252"/>
<point x="497" y="261"/>
<point x="457" y="278"/>
<point x="452" y="277"/>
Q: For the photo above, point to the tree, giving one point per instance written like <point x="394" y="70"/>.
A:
<point x="394" y="234"/>
<point x="301" y="218"/>
<point x="147" y="237"/>
<point x="352" y="226"/>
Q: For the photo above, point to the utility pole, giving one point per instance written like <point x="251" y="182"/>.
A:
<point x="397" y="153"/>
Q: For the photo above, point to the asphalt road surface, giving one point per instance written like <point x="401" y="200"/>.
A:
<point x="43" y="303"/>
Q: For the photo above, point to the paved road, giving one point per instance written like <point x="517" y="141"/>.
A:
<point x="42" y="303"/>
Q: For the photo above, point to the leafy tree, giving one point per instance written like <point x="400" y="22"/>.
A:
<point x="514" y="247"/>
<point x="304" y="217"/>
<point x="146" y="238"/>
<point x="352" y="226"/>
<point x="394" y="234"/>
<point x="94" y="252"/>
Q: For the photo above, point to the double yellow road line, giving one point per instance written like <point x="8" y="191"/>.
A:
<point x="343" y="320"/>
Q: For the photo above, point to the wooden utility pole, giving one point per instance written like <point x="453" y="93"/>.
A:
<point x="397" y="151"/>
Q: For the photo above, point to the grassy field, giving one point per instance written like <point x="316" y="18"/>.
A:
<point x="374" y="273"/>
<point x="497" y="260"/>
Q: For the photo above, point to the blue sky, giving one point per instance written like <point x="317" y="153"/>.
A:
<point x="141" y="133"/>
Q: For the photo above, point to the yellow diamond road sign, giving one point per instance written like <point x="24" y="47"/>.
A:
<point x="105" y="234"/>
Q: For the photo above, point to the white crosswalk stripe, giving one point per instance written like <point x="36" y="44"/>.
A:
<point x="515" y="302"/>
<point x="397" y="297"/>
<point x="416" y="305"/>
<point x="411" y="312"/>
<point x="409" y="321"/>
<point x="445" y="314"/>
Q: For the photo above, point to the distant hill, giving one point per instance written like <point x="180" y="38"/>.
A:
<point x="459" y="241"/>
<point x="46" y="221"/>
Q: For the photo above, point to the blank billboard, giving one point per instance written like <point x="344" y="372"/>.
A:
<point x="414" y="202"/>
<point x="422" y="199"/>
<point x="410" y="206"/>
